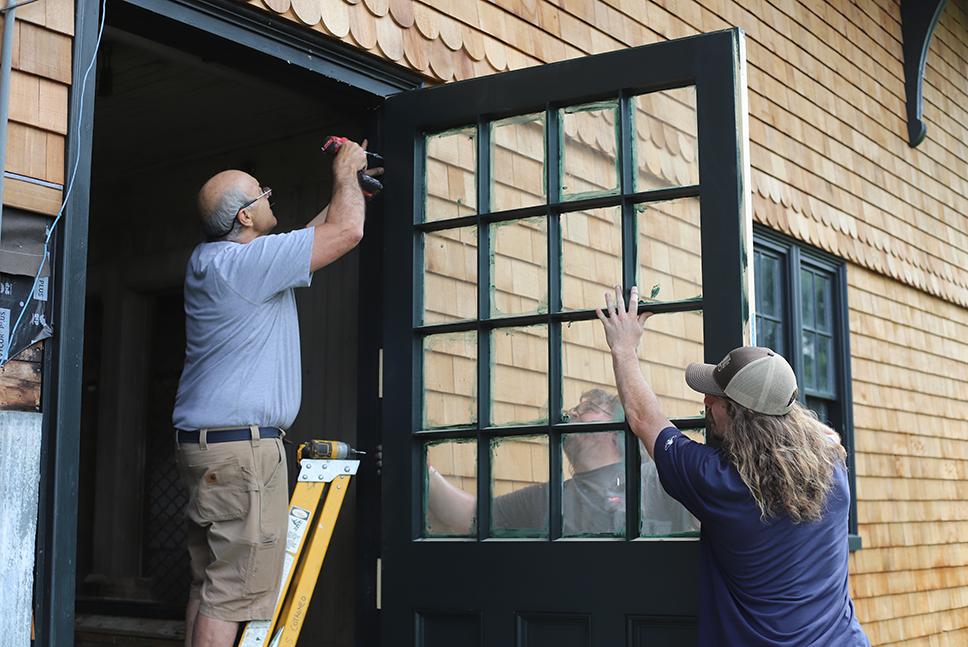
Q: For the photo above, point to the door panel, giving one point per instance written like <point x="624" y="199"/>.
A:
<point x="517" y="201"/>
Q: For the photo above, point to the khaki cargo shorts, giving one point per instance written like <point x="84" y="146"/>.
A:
<point x="237" y="520"/>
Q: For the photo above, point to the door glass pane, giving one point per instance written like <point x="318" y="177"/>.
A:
<point x="586" y="368"/>
<point x="519" y="486"/>
<point x="669" y="250"/>
<point x="591" y="256"/>
<point x="661" y="514"/>
<point x="519" y="267"/>
<point x="669" y="343"/>
<point x="450" y="275"/>
<point x="666" y="145"/>
<point x="450" y="380"/>
<point x="593" y="483"/>
<point x="519" y="375"/>
<point x="450" y="481"/>
<point x="450" y="177"/>
<point x="589" y="152"/>
<point x="517" y="162"/>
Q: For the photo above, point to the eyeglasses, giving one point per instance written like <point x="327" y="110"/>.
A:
<point x="587" y="406"/>
<point x="265" y="191"/>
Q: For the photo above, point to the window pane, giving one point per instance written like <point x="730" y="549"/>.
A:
<point x="519" y="375"/>
<point x="670" y="342"/>
<point x="519" y="267"/>
<point x="669" y="250"/>
<point x="450" y="275"/>
<point x="666" y="145"/>
<point x="591" y="256"/>
<point x="768" y="285"/>
<point x="818" y="352"/>
<point x="822" y="291"/>
<point x="517" y="163"/>
<point x="809" y="360"/>
<point x="450" y="380"/>
<point x="769" y="334"/>
<point x="450" y="181"/>
<point x="769" y="301"/>
<point x="450" y="505"/>
<point x="519" y="486"/>
<point x="586" y="365"/>
<point x="807" y="299"/>
<point x="821" y="408"/>
<point x="660" y="513"/>
<point x="818" y="339"/>
<point x="589" y="163"/>
<point x="825" y="350"/>
<point x="593" y="484"/>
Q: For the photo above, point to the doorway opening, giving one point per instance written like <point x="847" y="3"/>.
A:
<point x="175" y="105"/>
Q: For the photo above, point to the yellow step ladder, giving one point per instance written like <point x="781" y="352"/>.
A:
<point x="324" y="476"/>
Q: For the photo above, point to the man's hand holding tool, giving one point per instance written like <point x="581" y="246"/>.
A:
<point x="369" y="184"/>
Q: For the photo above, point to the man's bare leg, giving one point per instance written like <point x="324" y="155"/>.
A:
<point x="191" y="612"/>
<point x="203" y="631"/>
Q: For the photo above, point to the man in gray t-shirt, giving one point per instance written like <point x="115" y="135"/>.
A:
<point x="241" y="387"/>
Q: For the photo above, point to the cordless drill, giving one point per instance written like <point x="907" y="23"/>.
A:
<point x="327" y="449"/>
<point x="370" y="185"/>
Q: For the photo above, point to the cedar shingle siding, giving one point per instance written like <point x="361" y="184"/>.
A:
<point x="831" y="166"/>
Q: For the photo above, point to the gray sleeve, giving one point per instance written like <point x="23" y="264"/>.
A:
<point x="524" y="508"/>
<point x="266" y="266"/>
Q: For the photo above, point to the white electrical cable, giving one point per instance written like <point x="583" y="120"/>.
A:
<point x="67" y="193"/>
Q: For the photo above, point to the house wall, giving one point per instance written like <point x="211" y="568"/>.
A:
<point x="36" y="142"/>
<point x="831" y="167"/>
<point x="909" y="355"/>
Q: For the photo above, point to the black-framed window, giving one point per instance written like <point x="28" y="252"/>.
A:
<point x="801" y="313"/>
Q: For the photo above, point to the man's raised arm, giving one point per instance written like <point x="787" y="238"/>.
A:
<point x="339" y="227"/>
<point x="623" y="332"/>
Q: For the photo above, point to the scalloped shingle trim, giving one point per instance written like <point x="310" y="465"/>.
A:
<point x="412" y="34"/>
<point x="784" y="208"/>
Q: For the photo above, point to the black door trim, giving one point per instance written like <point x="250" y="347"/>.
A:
<point x="277" y="37"/>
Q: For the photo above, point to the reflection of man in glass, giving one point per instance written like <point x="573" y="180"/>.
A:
<point x="592" y="501"/>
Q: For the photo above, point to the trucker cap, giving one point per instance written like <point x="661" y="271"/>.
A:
<point x="756" y="378"/>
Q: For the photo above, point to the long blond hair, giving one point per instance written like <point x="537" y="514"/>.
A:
<point x="787" y="462"/>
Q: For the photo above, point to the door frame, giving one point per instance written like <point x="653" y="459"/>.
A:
<point x="258" y="35"/>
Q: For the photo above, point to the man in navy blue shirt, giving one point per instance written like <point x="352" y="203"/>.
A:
<point x="773" y="500"/>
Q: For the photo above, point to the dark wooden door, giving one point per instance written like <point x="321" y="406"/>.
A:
<point x="513" y="203"/>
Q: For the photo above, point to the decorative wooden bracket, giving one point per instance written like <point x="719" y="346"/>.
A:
<point x="918" y="20"/>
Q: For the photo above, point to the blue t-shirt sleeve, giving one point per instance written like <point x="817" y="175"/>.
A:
<point x="682" y="463"/>
<point x="268" y="265"/>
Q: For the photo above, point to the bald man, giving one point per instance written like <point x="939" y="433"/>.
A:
<point x="241" y="387"/>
